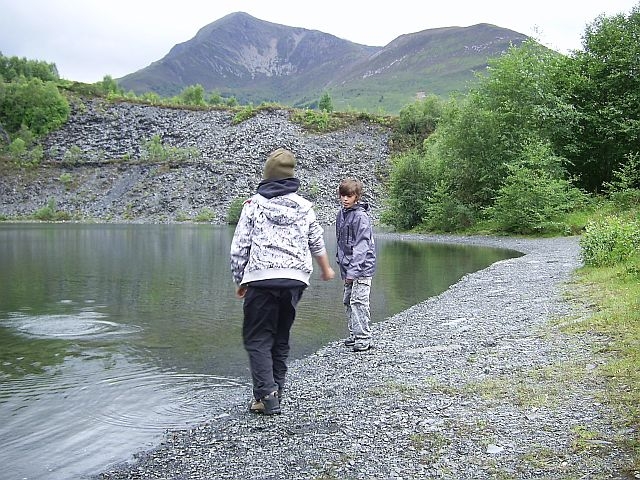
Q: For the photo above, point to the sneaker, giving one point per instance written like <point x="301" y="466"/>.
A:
<point x="269" y="405"/>
<point x="362" y="347"/>
<point x="349" y="342"/>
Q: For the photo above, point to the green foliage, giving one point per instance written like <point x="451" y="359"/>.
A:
<point x="205" y="215"/>
<point x="409" y="182"/>
<point x="151" y="98"/>
<point x="606" y="87"/>
<point x="313" y="120"/>
<point x="482" y="142"/>
<point x="472" y="148"/>
<point x="14" y="68"/>
<point x="18" y="147"/>
<point x="534" y="194"/>
<point x="193" y="95"/>
<point x="325" y="104"/>
<point x="234" y="210"/>
<point x="50" y="213"/>
<point x="419" y="119"/>
<point x="108" y="86"/>
<point x="624" y="188"/>
<point x="244" y="114"/>
<point x="444" y="212"/>
<point x="33" y="104"/>
<point x="23" y="156"/>
<point x="515" y="103"/>
<point x="215" y="99"/>
<point x="610" y="241"/>
<point x="154" y="150"/>
<point x="73" y="155"/>
<point x="27" y="135"/>
<point x="66" y="179"/>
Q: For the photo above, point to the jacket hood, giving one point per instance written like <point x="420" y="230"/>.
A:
<point x="364" y="206"/>
<point x="283" y="209"/>
<point x="276" y="188"/>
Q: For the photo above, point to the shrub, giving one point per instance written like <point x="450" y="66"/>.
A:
<point x="534" y="193"/>
<point x="444" y="212"/>
<point x="409" y="186"/>
<point x="154" y="150"/>
<point x="234" y="211"/>
<point x="18" y="147"/>
<point x="50" y="213"/>
<point x="34" y="104"/>
<point x="325" y="104"/>
<point x="205" y="215"/>
<point x="530" y="200"/>
<point x="73" y="155"/>
<point x="66" y="179"/>
<point x="313" y="120"/>
<point x="244" y="114"/>
<point x="24" y="157"/>
<point x="624" y="188"/>
<point x="609" y="242"/>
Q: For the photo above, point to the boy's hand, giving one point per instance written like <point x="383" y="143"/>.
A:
<point x="240" y="291"/>
<point x="327" y="274"/>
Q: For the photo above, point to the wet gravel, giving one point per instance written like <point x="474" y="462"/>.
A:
<point x="479" y="382"/>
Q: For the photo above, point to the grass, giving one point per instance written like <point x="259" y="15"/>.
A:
<point x="614" y="295"/>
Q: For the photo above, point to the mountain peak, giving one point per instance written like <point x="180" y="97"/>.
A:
<point x="257" y="61"/>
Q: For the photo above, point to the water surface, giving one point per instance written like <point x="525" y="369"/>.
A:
<point x="112" y="334"/>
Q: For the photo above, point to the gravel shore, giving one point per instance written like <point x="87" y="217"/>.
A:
<point x="476" y="383"/>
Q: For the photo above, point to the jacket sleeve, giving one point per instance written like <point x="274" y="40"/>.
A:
<point x="316" y="236"/>
<point x="241" y="244"/>
<point x="361" y="259"/>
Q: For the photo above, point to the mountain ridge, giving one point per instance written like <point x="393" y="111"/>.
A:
<point x="257" y="61"/>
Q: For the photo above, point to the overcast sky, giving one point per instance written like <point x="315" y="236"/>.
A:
<point x="88" y="39"/>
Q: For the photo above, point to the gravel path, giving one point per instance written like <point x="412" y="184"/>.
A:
<point x="476" y="383"/>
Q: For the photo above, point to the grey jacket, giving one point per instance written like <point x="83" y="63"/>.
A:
<point x="356" y="252"/>
<point x="276" y="237"/>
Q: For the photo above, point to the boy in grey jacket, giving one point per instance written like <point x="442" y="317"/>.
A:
<point x="356" y="256"/>
<point x="271" y="261"/>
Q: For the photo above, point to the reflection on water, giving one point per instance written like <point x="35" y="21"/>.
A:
<point x="111" y="334"/>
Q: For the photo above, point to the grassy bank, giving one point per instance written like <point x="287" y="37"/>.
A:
<point x="610" y="284"/>
<point x="614" y="295"/>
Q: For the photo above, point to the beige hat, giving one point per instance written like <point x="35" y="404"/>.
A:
<point x="280" y="164"/>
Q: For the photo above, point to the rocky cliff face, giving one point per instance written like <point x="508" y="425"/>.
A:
<point x="95" y="168"/>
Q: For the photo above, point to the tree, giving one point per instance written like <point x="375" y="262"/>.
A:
<point x="606" y="87"/>
<point x="325" y="103"/>
<point x="33" y="104"/>
<point x="193" y="95"/>
<point x="517" y="102"/>
<point x="108" y="85"/>
<point x="421" y="118"/>
<point x="534" y="193"/>
<point x="408" y="183"/>
<point x="12" y="68"/>
<point x="215" y="98"/>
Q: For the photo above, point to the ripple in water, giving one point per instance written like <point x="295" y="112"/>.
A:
<point x="176" y="399"/>
<point x="90" y="417"/>
<point x="68" y="326"/>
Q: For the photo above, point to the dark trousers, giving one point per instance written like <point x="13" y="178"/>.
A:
<point x="268" y="316"/>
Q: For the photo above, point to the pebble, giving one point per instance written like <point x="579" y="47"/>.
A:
<point x="385" y="415"/>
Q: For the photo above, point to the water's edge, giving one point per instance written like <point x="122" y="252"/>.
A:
<point x="358" y="415"/>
